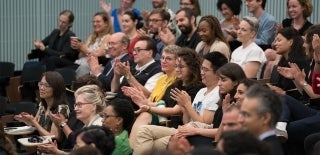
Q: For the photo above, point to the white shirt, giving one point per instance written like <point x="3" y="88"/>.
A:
<point x="208" y="101"/>
<point x="251" y="53"/>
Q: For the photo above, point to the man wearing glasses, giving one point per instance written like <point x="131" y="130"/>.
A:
<point x="117" y="49"/>
<point x="143" y="76"/>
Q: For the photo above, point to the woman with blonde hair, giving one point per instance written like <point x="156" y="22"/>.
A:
<point x="96" y="43"/>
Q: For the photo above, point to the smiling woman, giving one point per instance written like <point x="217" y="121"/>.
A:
<point x="95" y="44"/>
<point x="53" y="101"/>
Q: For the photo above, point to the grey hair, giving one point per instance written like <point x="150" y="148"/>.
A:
<point x="253" y="22"/>
<point x="172" y="49"/>
<point x="269" y="102"/>
<point x="94" y="95"/>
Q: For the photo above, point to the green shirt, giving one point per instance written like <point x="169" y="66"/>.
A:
<point x="122" y="144"/>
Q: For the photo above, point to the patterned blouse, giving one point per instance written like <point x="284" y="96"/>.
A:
<point x="45" y="121"/>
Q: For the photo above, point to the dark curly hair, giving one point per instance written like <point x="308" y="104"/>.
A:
<point x="234" y="5"/>
<point x="193" y="62"/>
<point x="124" y="109"/>
<point x="100" y="136"/>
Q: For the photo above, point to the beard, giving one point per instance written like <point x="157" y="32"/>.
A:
<point x="186" y="29"/>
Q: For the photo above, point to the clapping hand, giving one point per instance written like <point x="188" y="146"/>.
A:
<point x="181" y="97"/>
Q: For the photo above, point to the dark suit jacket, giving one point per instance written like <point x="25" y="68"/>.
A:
<point x="106" y="79"/>
<point x="63" y="47"/>
<point x="274" y="145"/>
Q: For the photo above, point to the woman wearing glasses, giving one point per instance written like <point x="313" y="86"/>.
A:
<point x="53" y="101"/>
<point x="89" y="102"/>
<point x="119" y="116"/>
<point x="199" y="111"/>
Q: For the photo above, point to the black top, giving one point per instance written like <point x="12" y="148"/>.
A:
<point x="288" y="22"/>
<point x="274" y="145"/>
<point x="142" y="77"/>
<point x="192" y="43"/>
<point x="192" y="91"/>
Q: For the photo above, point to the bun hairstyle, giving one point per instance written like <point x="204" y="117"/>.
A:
<point x="135" y="17"/>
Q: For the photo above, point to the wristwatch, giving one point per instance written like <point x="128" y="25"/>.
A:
<point x="61" y="125"/>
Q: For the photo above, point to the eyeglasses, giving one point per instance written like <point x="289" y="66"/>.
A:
<point x="79" y="105"/>
<point x="166" y="59"/>
<point x="204" y="69"/>
<point x="42" y="84"/>
<point x="138" y="50"/>
<point x="105" y="116"/>
<point x="155" y="20"/>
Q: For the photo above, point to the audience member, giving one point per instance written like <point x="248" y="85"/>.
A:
<point x="198" y="114"/>
<point x="288" y="44"/>
<point x="298" y="11"/>
<point x="189" y="37"/>
<point x="260" y="111"/>
<point x="237" y="142"/>
<point x="158" y="23"/>
<point x="55" y="50"/>
<point x="229" y="76"/>
<point x="53" y="101"/>
<point x="249" y="55"/>
<point x="89" y="103"/>
<point x="194" y="6"/>
<point x="117" y="49"/>
<point x="157" y="96"/>
<point x="229" y="9"/>
<point x="312" y="43"/>
<point x="99" y="137"/>
<point x="95" y="44"/>
<point x="131" y="22"/>
<point x="117" y="14"/>
<point x="160" y="4"/>
<point x="73" y="122"/>
<point x="118" y="116"/>
<point x="212" y="38"/>
<point x="143" y="75"/>
<point x="267" y="23"/>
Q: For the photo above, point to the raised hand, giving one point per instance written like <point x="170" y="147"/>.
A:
<point x="94" y="65"/>
<point x="105" y="6"/>
<point x="166" y="36"/>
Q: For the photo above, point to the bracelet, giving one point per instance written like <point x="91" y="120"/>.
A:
<point x="305" y="84"/>
<point x="61" y="125"/>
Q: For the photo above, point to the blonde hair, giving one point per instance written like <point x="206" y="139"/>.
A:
<point x="172" y="49"/>
<point x="94" y="95"/>
<point x="107" y="30"/>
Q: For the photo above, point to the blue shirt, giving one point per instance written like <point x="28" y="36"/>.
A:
<point x="116" y="23"/>
<point x="266" y="31"/>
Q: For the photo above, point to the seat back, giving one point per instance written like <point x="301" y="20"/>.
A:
<point x="68" y="74"/>
<point x="24" y="106"/>
<point x="6" y="69"/>
<point x="32" y="72"/>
